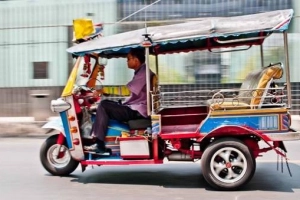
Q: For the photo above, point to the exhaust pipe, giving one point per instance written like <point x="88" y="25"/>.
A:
<point x="179" y="156"/>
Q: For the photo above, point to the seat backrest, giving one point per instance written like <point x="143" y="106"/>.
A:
<point x="154" y="83"/>
<point x="256" y="84"/>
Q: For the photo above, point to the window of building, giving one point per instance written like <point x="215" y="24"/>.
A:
<point x="178" y="1"/>
<point x="149" y="1"/>
<point x="40" y="70"/>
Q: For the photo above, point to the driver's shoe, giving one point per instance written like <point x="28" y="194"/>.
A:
<point x="95" y="148"/>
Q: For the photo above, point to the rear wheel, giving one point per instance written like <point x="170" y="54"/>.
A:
<point x="227" y="164"/>
<point x="57" y="163"/>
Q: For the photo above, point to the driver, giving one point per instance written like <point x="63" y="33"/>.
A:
<point x="134" y="107"/>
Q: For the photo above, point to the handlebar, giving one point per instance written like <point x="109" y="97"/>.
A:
<point x="85" y="96"/>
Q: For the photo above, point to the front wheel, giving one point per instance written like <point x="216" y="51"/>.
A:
<point x="57" y="163"/>
<point x="227" y="164"/>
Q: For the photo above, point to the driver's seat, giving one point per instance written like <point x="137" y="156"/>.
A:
<point x="139" y="123"/>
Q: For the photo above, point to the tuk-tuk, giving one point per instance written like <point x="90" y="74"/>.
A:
<point x="222" y="127"/>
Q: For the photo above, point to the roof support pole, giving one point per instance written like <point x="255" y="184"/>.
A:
<point x="262" y="55"/>
<point x="287" y="69"/>
<point x="148" y="80"/>
<point x="156" y="64"/>
<point x="147" y="43"/>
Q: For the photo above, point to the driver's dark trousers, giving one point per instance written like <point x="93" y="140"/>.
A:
<point x="111" y="110"/>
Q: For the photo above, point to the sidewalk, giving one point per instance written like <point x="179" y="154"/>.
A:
<point x="22" y="127"/>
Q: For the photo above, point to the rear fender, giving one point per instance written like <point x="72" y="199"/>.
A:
<point x="233" y="130"/>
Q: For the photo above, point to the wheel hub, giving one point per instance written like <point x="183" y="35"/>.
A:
<point x="228" y="165"/>
<point x="58" y="156"/>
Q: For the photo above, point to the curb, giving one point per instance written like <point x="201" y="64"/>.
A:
<point x="23" y="129"/>
<point x="37" y="136"/>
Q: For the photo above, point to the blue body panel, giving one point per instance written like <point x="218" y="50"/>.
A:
<point x="65" y="122"/>
<point x="115" y="128"/>
<point x="114" y="131"/>
<point x="266" y="123"/>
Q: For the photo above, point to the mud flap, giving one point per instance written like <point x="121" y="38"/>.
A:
<point x="282" y="146"/>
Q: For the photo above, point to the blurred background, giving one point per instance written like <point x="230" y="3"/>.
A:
<point x="34" y="36"/>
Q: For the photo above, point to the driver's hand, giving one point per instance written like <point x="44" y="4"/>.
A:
<point x="97" y="93"/>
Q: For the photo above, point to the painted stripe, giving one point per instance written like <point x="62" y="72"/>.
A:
<point x="64" y="119"/>
<point x="266" y="123"/>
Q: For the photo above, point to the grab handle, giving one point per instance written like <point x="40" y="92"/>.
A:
<point x="240" y="40"/>
<point x="225" y="51"/>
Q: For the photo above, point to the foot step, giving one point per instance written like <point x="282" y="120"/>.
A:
<point x="106" y="153"/>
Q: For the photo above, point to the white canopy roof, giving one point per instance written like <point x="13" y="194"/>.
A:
<point x="203" y="33"/>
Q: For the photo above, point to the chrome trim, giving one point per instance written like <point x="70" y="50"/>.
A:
<point x="148" y="80"/>
<point x="59" y="105"/>
<point x="289" y="136"/>
<point x="241" y="40"/>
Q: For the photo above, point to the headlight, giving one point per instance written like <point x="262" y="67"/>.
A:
<point x="59" y="105"/>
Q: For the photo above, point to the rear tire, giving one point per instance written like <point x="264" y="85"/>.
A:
<point x="62" y="165"/>
<point x="227" y="164"/>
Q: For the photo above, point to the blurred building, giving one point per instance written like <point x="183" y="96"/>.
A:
<point x="182" y="9"/>
<point x="34" y="36"/>
<point x="200" y="67"/>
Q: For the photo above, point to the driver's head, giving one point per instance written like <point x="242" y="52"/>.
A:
<point x="135" y="58"/>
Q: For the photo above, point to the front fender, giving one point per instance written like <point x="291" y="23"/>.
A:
<point x="55" y="124"/>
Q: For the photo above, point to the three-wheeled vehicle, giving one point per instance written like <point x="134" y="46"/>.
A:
<point x="222" y="127"/>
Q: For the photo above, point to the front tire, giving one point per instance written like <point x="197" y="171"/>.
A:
<point x="227" y="164"/>
<point x="61" y="165"/>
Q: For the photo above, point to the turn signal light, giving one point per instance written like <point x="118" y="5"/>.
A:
<point x="73" y="130"/>
<point x="76" y="141"/>
<point x="71" y="118"/>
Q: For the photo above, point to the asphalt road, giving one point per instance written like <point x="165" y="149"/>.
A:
<point x="23" y="177"/>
